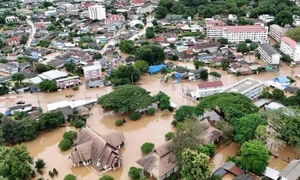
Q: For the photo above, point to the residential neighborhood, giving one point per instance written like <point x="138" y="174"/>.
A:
<point x="149" y="89"/>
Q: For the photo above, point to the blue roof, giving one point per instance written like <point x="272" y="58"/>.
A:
<point x="155" y="69"/>
<point x="177" y="75"/>
<point x="281" y="79"/>
<point x="72" y="60"/>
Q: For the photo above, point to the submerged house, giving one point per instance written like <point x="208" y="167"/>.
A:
<point x="158" y="163"/>
<point x="100" y="151"/>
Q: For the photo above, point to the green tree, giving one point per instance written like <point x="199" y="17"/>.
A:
<point x="70" y="177"/>
<point x="70" y="66"/>
<point x="223" y="40"/>
<point x="208" y="149"/>
<point x="242" y="47"/>
<point x="97" y="56"/>
<point x="40" y="68"/>
<point x="71" y="135"/>
<point x="18" y="115"/>
<point x="169" y="136"/>
<point x="47" y="4"/>
<point x="186" y="136"/>
<point x="40" y="164"/>
<point x="127" y="46"/>
<point x="227" y="130"/>
<point x="1" y="135"/>
<point x="147" y="147"/>
<point x="124" y="75"/>
<point x="261" y="134"/>
<point x="126" y="98"/>
<point x="23" y="40"/>
<point x="257" y="55"/>
<point x="198" y="64"/>
<point x="134" y="173"/>
<point x="15" y="162"/>
<point x="18" y="77"/>
<point x="65" y="144"/>
<point x="227" y="105"/>
<point x="266" y="93"/>
<point x="151" y="53"/>
<point x="246" y="126"/>
<point x="154" y="22"/>
<point x="163" y="100"/>
<point x="3" y="60"/>
<point x="252" y="47"/>
<point x="160" y="12"/>
<point x="51" y="120"/>
<point x="44" y="43"/>
<point x="254" y="157"/>
<point x="278" y="94"/>
<point x="184" y="112"/>
<point x="195" y="165"/>
<point x="141" y="65"/>
<point x="204" y="75"/>
<point x="150" y="33"/>
<point x="294" y="33"/>
<point x="283" y="18"/>
<point x="106" y="177"/>
<point x="47" y="85"/>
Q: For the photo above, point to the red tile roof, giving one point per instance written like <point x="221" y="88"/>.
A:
<point x="159" y="39"/>
<point x="289" y="41"/>
<point x="210" y="84"/>
<point x="13" y="39"/>
<point x="249" y="28"/>
<point x="137" y="1"/>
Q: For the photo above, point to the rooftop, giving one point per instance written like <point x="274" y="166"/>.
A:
<point x="243" y="85"/>
<point x="268" y="49"/>
<point x="210" y="84"/>
<point x="289" y="41"/>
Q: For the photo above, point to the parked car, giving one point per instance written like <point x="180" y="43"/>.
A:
<point x="20" y="102"/>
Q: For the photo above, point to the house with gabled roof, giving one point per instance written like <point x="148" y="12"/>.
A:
<point x="101" y="151"/>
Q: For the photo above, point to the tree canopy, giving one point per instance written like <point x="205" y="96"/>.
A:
<point x="227" y="105"/>
<point x="151" y="53"/>
<point x="18" y="77"/>
<point x="70" y="177"/>
<point x="195" y="165"/>
<point x="127" y="46"/>
<point x="124" y="75"/>
<point x="184" y="112"/>
<point x="127" y="98"/>
<point x="40" y="68"/>
<point x="51" y="120"/>
<point x="294" y="33"/>
<point x="47" y="85"/>
<point x="163" y="100"/>
<point x="254" y="157"/>
<point x="246" y="126"/>
<point x="141" y="65"/>
<point x="15" y="162"/>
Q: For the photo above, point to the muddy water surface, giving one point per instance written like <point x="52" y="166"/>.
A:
<point x="148" y="129"/>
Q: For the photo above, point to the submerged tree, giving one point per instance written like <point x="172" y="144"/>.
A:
<point x="126" y="98"/>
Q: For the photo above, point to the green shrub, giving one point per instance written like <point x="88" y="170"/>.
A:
<point x="77" y="123"/>
<point x="134" y="173"/>
<point x="65" y="144"/>
<point x="119" y="122"/>
<point x="208" y="149"/>
<point x="151" y="111"/>
<point x="70" y="177"/>
<point x="71" y="135"/>
<point x="39" y="164"/>
<point x="135" y="116"/>
<point x="169" y="135"/>
<point x="106" y="177"/>
<point x="75" y="88"/>
<point x="147" y="147"/>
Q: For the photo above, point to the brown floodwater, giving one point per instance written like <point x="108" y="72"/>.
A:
<point x="148" y="129"/>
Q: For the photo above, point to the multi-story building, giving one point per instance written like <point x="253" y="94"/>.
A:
<point x="291" y="48"/>
<point x="277" y="32"/>
<point x="208" y="88"/>
<point x="269" y="54"/>
<point x="248" y="87"/>
<point x="13" y="41"/>
<point x="68" y="82"/>
<point x="115" y="19"/>
<point x="146" y="8"/>
<point x="97" y="12"/>
<point x="256" y="33"/>
<point x="93" y="72"/>
<point x="137" y="2"/>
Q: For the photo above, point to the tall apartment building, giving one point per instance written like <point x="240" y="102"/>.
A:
<point x="93" y="72"/>
<point x="277" y="32"/>
<point x="248" y="87"/>
<point x="269" y="54"/>
<point x="97" y="12"/>
<point x="256" y="33"/>
<point x="291" y="48"/>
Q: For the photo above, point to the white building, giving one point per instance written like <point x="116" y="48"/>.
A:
<point x="208" y="88"/>
<point x="192" y="28"/>
<point x="248" y="87"/>
<point x="277" y="32"/>
<point x="9" y="19"/>
<point x="290" y="47"/>
<point x="256" y="33"/>
<point x="97" y="12"/>
<point x="266" y="18"/>
<point x="92" y="72"/>
<point x="232" y="17"/>
<point x="20" y="108"/>
<point x="146" y="8"/>
<point x="269" y="54"/>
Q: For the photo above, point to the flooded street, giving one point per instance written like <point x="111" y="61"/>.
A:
<point x="147" y="129"/>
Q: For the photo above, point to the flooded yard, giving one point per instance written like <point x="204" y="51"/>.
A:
<point x="148" y="129"/>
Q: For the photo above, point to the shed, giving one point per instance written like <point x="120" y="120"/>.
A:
<point x="261" y="102"/>
<point x="291" y="89"/>
<point x="281" y="79"/>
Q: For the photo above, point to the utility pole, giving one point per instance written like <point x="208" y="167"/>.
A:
<point x="38" y="99"/>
